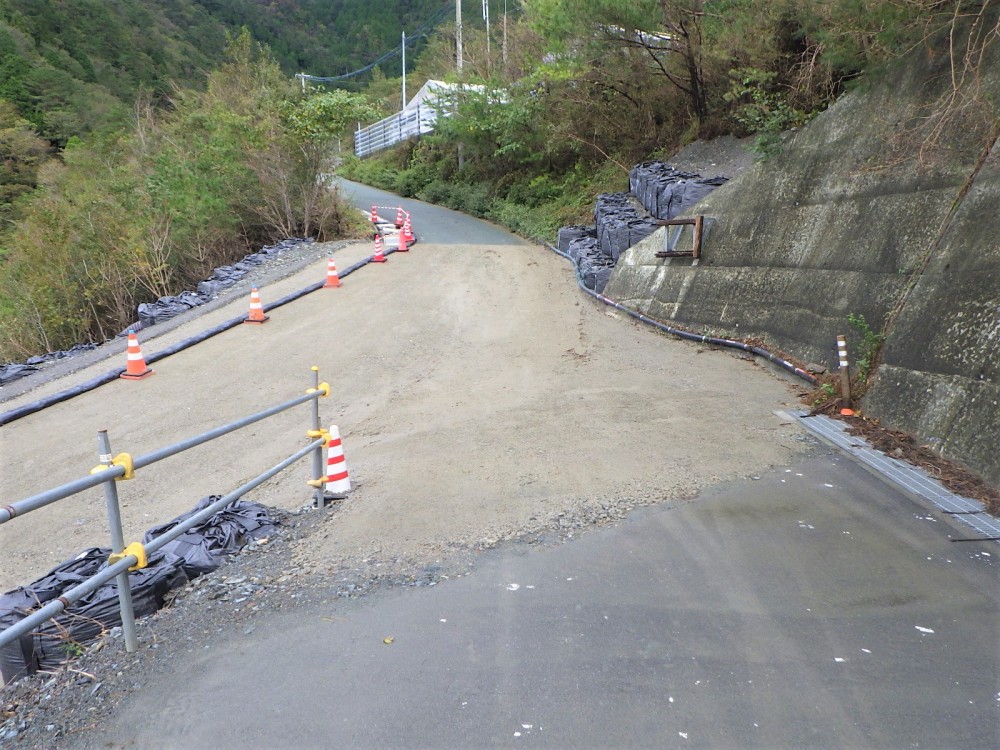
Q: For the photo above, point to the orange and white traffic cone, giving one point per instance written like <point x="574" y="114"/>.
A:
<point x="332" y="279"/>
<point x="338" y="481"/>
<point x="375" y="218"/>
<point x="406" y="237"/>
<point x="378" y="257"/>
<point x="256" y="314"/>
<point x="135" y="365"/>
<point x="399" y="217"/>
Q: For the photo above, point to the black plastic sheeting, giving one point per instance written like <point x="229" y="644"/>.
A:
<point x="201" y="547"/>
<point x="667" y="192"/>
<point x="164" y="308"/>
<point x="199" y="551"/>
<point x="112" y="375"/>
<point x="16" y="370"/>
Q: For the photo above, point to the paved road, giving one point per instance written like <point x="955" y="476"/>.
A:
<point x="813" y="607"/>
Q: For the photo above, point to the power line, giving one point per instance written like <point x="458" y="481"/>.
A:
<point x="421" y="33"/>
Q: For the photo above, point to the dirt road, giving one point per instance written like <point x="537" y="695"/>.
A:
<point x="479" y="395"/>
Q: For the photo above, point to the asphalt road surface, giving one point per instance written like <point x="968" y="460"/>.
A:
<point x="814" y="607"/>
<point x="762" y="595"/>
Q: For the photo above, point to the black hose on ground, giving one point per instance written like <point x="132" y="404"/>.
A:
<point x="109" y="377"/>
<point x="688" y="335"/>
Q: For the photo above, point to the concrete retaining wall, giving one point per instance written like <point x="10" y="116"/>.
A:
<point x="847" y="220"/>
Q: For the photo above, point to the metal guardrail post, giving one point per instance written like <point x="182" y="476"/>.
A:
<point x="317" y="461"/>
<point x="118" y="545"/>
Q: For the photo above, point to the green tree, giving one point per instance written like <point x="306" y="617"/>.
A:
<point x="23" y="152"/>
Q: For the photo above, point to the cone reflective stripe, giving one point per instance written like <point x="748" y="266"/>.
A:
<point x="135" y="365"/>
<point x="406" y="236"/>
<point x="399" y="217"/>
<point x="338" y="482"/>
<point x="378" y="257"/>
<point x="256" y="314"/>
<point x="332" y="279"/>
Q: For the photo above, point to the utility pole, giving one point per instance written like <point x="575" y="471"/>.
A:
<point x="458" y="58"/>
<point x="504" y="49"/>
<point x="403" y="105"/>
<point x="458" y="36"/>
<point x="486" y="17"/>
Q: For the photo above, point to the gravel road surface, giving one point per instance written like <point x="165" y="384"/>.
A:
<point x="481" y="398"/>
<point x="479" y="395"/>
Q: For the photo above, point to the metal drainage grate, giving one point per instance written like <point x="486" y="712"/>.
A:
<point x="909" y="477"/>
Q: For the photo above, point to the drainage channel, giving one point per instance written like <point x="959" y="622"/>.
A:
<point x="911" y="478"/>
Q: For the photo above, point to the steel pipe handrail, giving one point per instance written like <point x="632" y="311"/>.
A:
<point x="55" y="494"/>
<point x="172" y="450"/>
<point x="58" y="605"/>
<point x="20" y="507"/>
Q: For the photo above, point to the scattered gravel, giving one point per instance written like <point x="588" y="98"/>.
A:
<point x="46" y="709"/>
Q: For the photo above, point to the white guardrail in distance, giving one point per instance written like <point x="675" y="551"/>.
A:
<point x="395" y="129"/>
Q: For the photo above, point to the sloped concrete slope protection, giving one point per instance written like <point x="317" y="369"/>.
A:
<point x="860" y="216"/>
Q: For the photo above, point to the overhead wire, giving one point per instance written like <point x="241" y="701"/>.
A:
<point x="420" y="33"/>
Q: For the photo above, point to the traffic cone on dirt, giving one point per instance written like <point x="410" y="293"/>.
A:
<point x="375" y="218"/>
<point x="135" y="365"/>
<point x="338" y="481"/>
<point x="332" y="279"/>
<point x="399" y="217"/>
<point x="378" y="257"/>
<point x="256" y="314"/>
<point x="406" y="237"/>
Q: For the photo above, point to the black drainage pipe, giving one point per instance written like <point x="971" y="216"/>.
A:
<point x="109" y="377"/>
<point x="688" y="335"/>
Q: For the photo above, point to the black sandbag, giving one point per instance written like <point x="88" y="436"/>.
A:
<point x="583" y="247"/>
<point x="605" y="229"/>
<point x="596" y="277"/>
<point x="640" y="229"/>
<point x="610" y="205"/>
<point x="203" y="547"/>
<point x="620" y="238"/>
<point x="17" y="658"/>
<point x="55" y="641"/>
<point x="573" y="232"/>
<point x="695" y="190"/>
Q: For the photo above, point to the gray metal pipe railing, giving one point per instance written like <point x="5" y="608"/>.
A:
<point x="193" y="442"/>
<point x="48" y="497"/>
<point x="61" y="492"/>
<point x="123" y="466"/>
<point x="58" y="605"/>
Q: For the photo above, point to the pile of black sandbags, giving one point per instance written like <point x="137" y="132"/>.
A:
<point x="663" y="191"/>
<point x="619" y="225"/>
<point x="198" y="551"/>
<point x="667" y="192"/>
<point x="581" y="244"/>
<point x="223" y="277"/>
<point x="164" y="308"/>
